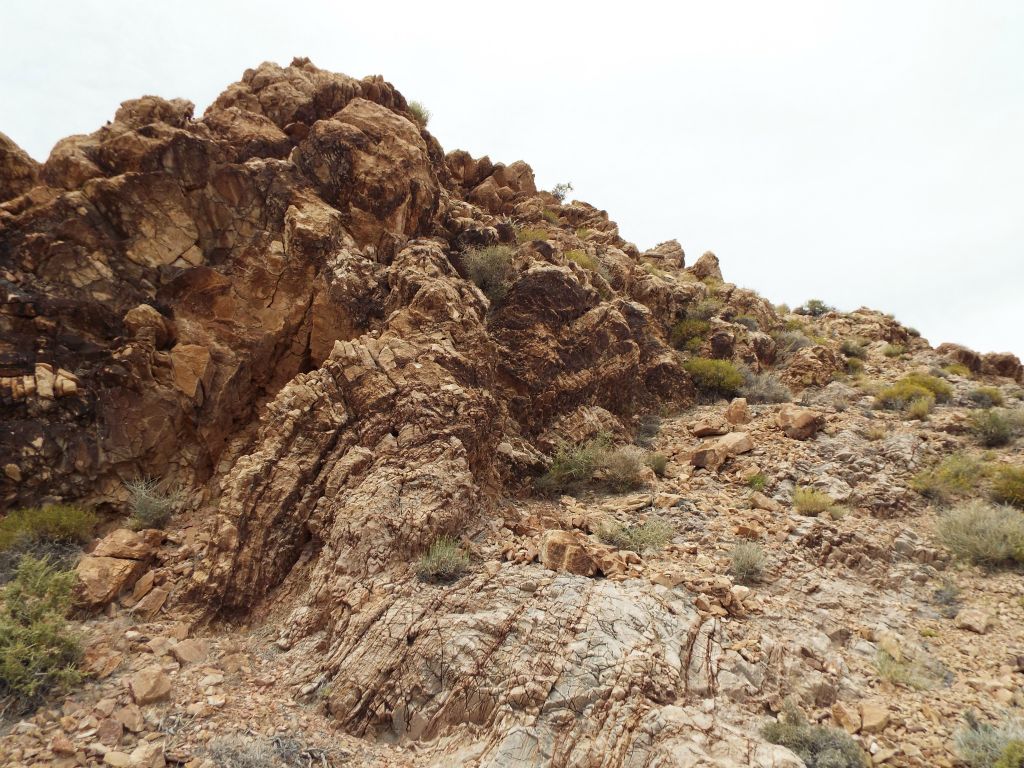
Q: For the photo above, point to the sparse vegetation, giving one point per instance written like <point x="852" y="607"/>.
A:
<point x="39" y="654"/>
<point x="529" y="234"/>
<point x="765" y="388"/>
<point x="688" y="334"/>
<point x="995" y="427"/>
<point x="902" y="672"/>
<point x="658" y="462"/>
<point x="915" y="394"/>
<point x="490" y="269"/>
<point x="757" y="482"/>
<point x="854" y="348"/>
<point x="1008" y="486"/>
<point x="957" y="369"/>
<point x="549" y="216"/>
<point x="54" y="533"/>
<point x="953" y="476"/>
<point x="814" y="308"/>
<point x="250" y="751"/>
<point x="747" y="321"/>
<point x="420" y="114"/>
<point x="619" y="468"/>
<point x="584" y="259"/>
<point x="444" y="561"/>
<point x="789" y="341"/>
<point x="986" y="397"/>
<point x="747" y="562"/>
<point x="704" y="309"/>
<point x="559" y="191"/>
<point x="875" y="432"/>
<point x="649" y="536"/>
<point x="818" y="746"/>
<point x="714" y="378"/>
<point x="920" y="407"/>
<point x="808" y="501"/>
<point x="152" y="503"/>
<point x="894" y="350"/>
<point x="985" y="534"/>
<point x="854" y="366"/>
<point x="981" y="745"/>
<point x="939" y="389"/>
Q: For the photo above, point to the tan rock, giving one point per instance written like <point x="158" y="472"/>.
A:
<point x="846" y="717"/>
<point x="710" y="426"/>
<point x="128" y="544"/>
<point x="974" y="620"/>
<point x="759" y="501"/>
<point x="150" y="685"/>
<point x="712" y="454"/>
<point x="101" y="579"/>
<point x="148" y="754"/>
<point x="191" y="651"/>
<point x="567" y="551"/>
<point x="874" y="716"/>
<point x="150" y="605"/>
<point x="193" y="369"/>
<point x="737" y="411"/>
<point x="799" y="423"/>
<point x="130" y="716"/>
<point x="117" y="759"/>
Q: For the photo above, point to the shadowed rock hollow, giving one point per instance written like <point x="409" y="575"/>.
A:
<point x="269" y="306"/>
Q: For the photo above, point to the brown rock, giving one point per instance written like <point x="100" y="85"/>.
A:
<point x="707" y="267"/>
<point x="567" y="551"/>
<point x="150" y="685"/>
<point x="129" y="545"/>
<point x="190" y="651"/>
<point x="150" y="605"/>
<point x="714" y="453"/>
<point x="874" y="716"/>
<point x="130" y="716"/>
<point x="101" y="579"/>
<point x="18" y="172"/>
<point x="846" y="717"/>
<point x="974" y="620"/>
<point x="962" y="355"/>
<point x="811" y="367"/>
<point x="110" y="732"/>
<point x="192" y="368"/>
<point x="709" y="426"/>
<point x="737" y="411"/>
<point x="799" y="423"/>
<point x="1003" y="364"/>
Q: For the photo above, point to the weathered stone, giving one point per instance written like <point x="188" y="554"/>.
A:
<point x="713" y="453"/>
<point x="567" y="551"/>
<point x="874" y="716"/>
<point x="737" y="411"/>
<point x="190" y="651"/>
<point x="709" y="426"/>
<point x="799" y="423"/>
<point x="129" y="545"/>
<point x="103" y="578"/>
<point x="150" y="685"/>
<point x="974" y="619"/>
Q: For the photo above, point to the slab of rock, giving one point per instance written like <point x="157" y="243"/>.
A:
<point x="150" y="685"/>
<point x="128" y="544"/>
<point x="101" y="579"/>
<point x="846" y="717"/>
<point x="874" y="716"/>
<point x="716" y="452"/>
<point x="759" y="501"/>
<point x="737" y="412"/>
<point x="799" y="423"/>
<point x="567" y="551"/>
<point x="974" y="620"/>
<point x="190" y="651"/>
<point x="710" y="426"/>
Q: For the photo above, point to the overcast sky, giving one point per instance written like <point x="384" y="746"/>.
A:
<point x="864" y="153"/>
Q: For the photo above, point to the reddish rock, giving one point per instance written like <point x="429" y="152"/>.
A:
<point x="799" y="423"/>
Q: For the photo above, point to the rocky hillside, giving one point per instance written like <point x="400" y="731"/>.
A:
<point x="460" y="477"/>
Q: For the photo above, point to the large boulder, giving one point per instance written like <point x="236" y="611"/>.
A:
<point x="18" y="172"/>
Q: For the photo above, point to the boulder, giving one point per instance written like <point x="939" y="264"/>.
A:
<point x="129" y="545"/>
<point x="716" y="452"/>
<point x="706" y="267"/>
<point x="150" y="685"/>
<point x="101" y="579"/>
<point x="799" y="423"/>
<point x="974" y="620"/>
<point x="567" y="551"/>
<point x="737" y="411"/>
<point x="710" y="426"/>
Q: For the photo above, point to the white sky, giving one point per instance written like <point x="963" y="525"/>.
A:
<point x="865" y="153"/>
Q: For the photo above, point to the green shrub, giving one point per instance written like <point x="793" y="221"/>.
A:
<point x="817" y="745"/>
<point x="854" y="348"/>
<point x="549" y="216"/>
<point x="915" y="394"/>
<point x="757" y="482"/>
<point x="529" y="234"/>
<point x="583" y="233"/>
<point x="689" y="334"/>
<point x="894" y="350"/>
<point x="704" y="309"/>
<point x="957" y="369"/>
<point x="444" y="561"/>
<point x="714" y="377"/>
<point x="981" y="745"/>
<point x="994" y="427"/>
<point x="814" y="308"/>
<point x="621" y="467"/>
<point x="584" y="259"/>
<point x="559" y="191"/>
<point x="39" y="654"/>
<point x="658" y="462"/>
<point x="646" y="537"/>
<point x="747" y="321"/>
<point x="573" y="465"/>
<point x="765" y="388"/>
<point x="490" y="269"/>
<point x="747" y="562"/>
<point x="55" y="524"/>
<point x="152" y="503"/>
<point x="1012" y="756"/>
<point x="955" y="475"/>
<point x="920" y="407"/>
<point x="1008" y="486"/>
<point x="986" y="397"/>
<point x="808" y="501"/>
<point x="420" y="114"/>
<point x="939" y="389"/>
<point x="984" y="534"/>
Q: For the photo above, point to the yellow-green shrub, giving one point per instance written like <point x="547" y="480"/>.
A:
<point x="714" y="377"/>
<point x="444" y="561"/>
<point x="1008" y="486"/>
<point x="529" y="234"/>
<point x="955" y="475"/>
<point x="490" y="269"/>
<point x="986" y="397"/>
<point x="689" y="333"/>
<point x="649" y="536"/>
<point x="808" y="501"/>
<point x="54" y="524"/>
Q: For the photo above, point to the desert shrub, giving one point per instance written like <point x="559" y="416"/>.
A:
<point x="529" y="234"/>
<point x="549" y="216"/>
<point x="747" y="562"/>
<point x="621" y="467"/>
<point x="900" y="395"/>
<point x="573" y="465"/>
<point x="152" y="503"/>
<point x="984" y="534"/>
<point x="757" y="482"/>
<point x="954" y="475"/>
<point x="649" y="536"/>
<point x="814" y="308"/>
<point x="420" y="114"/>
<point x="808" y="501"/>
<point x="982" y="745"/>
<point x="747" y="321"/>
<point x="818" y="746"/>
<point x="986" y="397"/>
<point x="559" y="191"/>
<point x="994" y="427"/>
<point x="902" y="672"/>
<point x="875" y="432"/>
<point x="59" y="523"/>
<point x="1008" y="486"/>
<point x="250" y="751"/>
<point x="912" y="331"/>
<point x="704" y="309"/>
<point x="718" y="378"/>
<point x="854" y="366"/>
<point x="957" y="369"/>
<point x="1012" y="756"/>
<point x="584" y="259"/>
<point x="490" y="269"/>
<point x="647" y="429"/>
<point x="658" y="462"/>
<point x="765" y="388"/>
<point x="939" y="389"/>
<point x="782" y="309"/>
<point x="854" y="348"/>
<point x="789" y="341"/>
<point x="689" y="333"/>
<point x="920" y="407"/>
<point x="893" y="350"/>
<point x="444" y="561"/>
<point x="39" y="654"/>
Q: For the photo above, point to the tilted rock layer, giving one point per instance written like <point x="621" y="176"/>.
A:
<point x="269" y="306"/>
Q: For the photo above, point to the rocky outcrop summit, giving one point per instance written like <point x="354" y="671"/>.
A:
<point x="272" y="307"/>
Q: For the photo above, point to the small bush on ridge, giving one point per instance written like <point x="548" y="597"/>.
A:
<point x="490" y="269"/>
<point x="152" y="503"/>
<point x="649" y="536"/>
<point x="444" y="561"/>
<point x="420" y="114"/>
